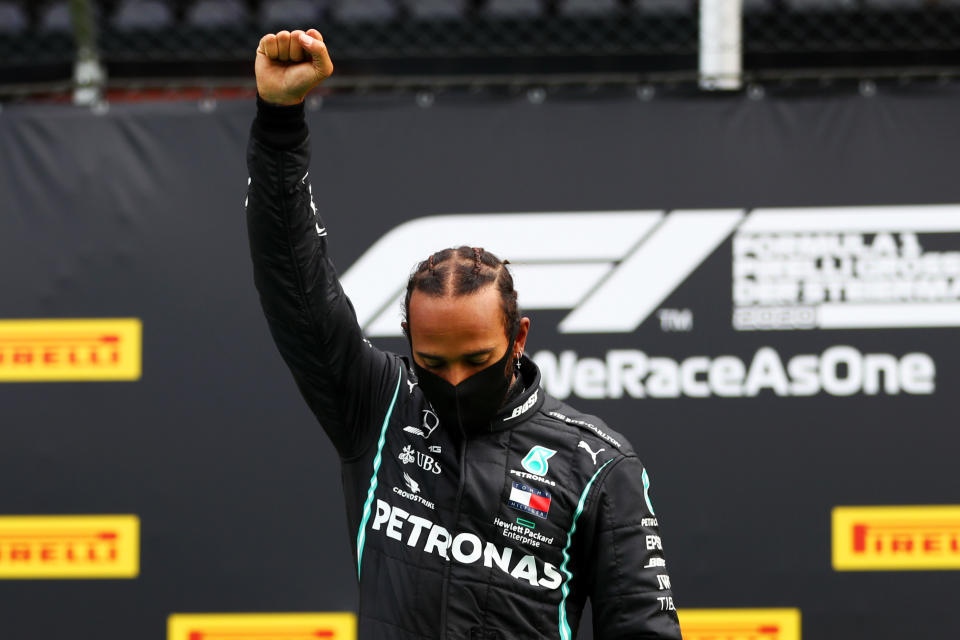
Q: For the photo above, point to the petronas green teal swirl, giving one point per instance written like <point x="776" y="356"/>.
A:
<point x="362" y="533"/>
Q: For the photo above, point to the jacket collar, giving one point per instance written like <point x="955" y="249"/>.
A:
<point x="524" y="405"/>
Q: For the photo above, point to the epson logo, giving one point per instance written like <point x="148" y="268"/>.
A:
<point x="838" y="371"/>
<point x="798" y="268"/>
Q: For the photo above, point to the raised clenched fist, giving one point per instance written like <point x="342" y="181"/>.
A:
<point x="291" y="63"/>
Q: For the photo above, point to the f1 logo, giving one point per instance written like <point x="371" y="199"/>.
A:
<point x="602" y="261"/>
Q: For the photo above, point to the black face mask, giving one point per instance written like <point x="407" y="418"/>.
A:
<point x="474" y="402"/>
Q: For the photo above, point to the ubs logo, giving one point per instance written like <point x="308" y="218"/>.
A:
<point x="423" y="460"/>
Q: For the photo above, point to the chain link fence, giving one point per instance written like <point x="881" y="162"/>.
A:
<point x="820" y="36"/>
<point x="147" y="40"/>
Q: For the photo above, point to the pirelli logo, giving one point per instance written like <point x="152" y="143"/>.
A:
<point x="896" y="538"/>
<point x="740" y="624"/>
<point x="70" y="350"/>
<point x="69" y="547"/>
<point x="262" y="626"/>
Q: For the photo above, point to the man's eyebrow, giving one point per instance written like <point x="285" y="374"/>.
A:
<point x="482" y="352"/>
<point x="472" y="354"/>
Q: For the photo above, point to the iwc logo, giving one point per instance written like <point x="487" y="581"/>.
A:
<point x="537" y="460"/>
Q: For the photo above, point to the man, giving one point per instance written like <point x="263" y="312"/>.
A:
<point x="483" y="509"/>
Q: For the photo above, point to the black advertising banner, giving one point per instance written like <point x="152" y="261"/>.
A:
<point x="762" y="295"/>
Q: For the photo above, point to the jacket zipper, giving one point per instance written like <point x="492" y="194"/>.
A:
<point x="461" y="484"/>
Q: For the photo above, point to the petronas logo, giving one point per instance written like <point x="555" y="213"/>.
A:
<point x="536" y="460"/>
<point x="646" y="490"/>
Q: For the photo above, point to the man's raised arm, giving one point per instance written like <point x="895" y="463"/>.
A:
<point x="346" y="382"/>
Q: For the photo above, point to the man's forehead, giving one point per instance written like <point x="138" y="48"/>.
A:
<point x="475" y="316"/>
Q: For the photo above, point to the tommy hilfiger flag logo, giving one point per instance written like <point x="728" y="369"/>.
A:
<point x="530" y="500"/>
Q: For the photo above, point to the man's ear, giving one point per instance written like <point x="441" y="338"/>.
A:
<point x="522" y="332"/>
<point x="406" y="330"/>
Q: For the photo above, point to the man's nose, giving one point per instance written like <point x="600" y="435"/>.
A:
<point x="457" y="374"/>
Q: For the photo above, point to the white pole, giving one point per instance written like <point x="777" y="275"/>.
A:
<point x="721" y="51"/>
<point x="89" y="75"/>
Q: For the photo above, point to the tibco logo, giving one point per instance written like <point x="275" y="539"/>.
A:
<point x="838" y="371"/>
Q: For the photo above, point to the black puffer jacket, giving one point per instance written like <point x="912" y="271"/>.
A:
<point x="498" y="534"/>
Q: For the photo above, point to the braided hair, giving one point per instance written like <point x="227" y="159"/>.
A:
<point x="462" y="271"/>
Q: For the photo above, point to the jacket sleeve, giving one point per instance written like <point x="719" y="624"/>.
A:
<point x="345" y="380"/>
<point x="629" y="588"/>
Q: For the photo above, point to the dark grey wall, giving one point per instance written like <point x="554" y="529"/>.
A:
<point x="139" y="213"/>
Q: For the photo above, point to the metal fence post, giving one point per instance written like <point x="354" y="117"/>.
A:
<point x="89" y="75"/>
<point x="721" y="46"/>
